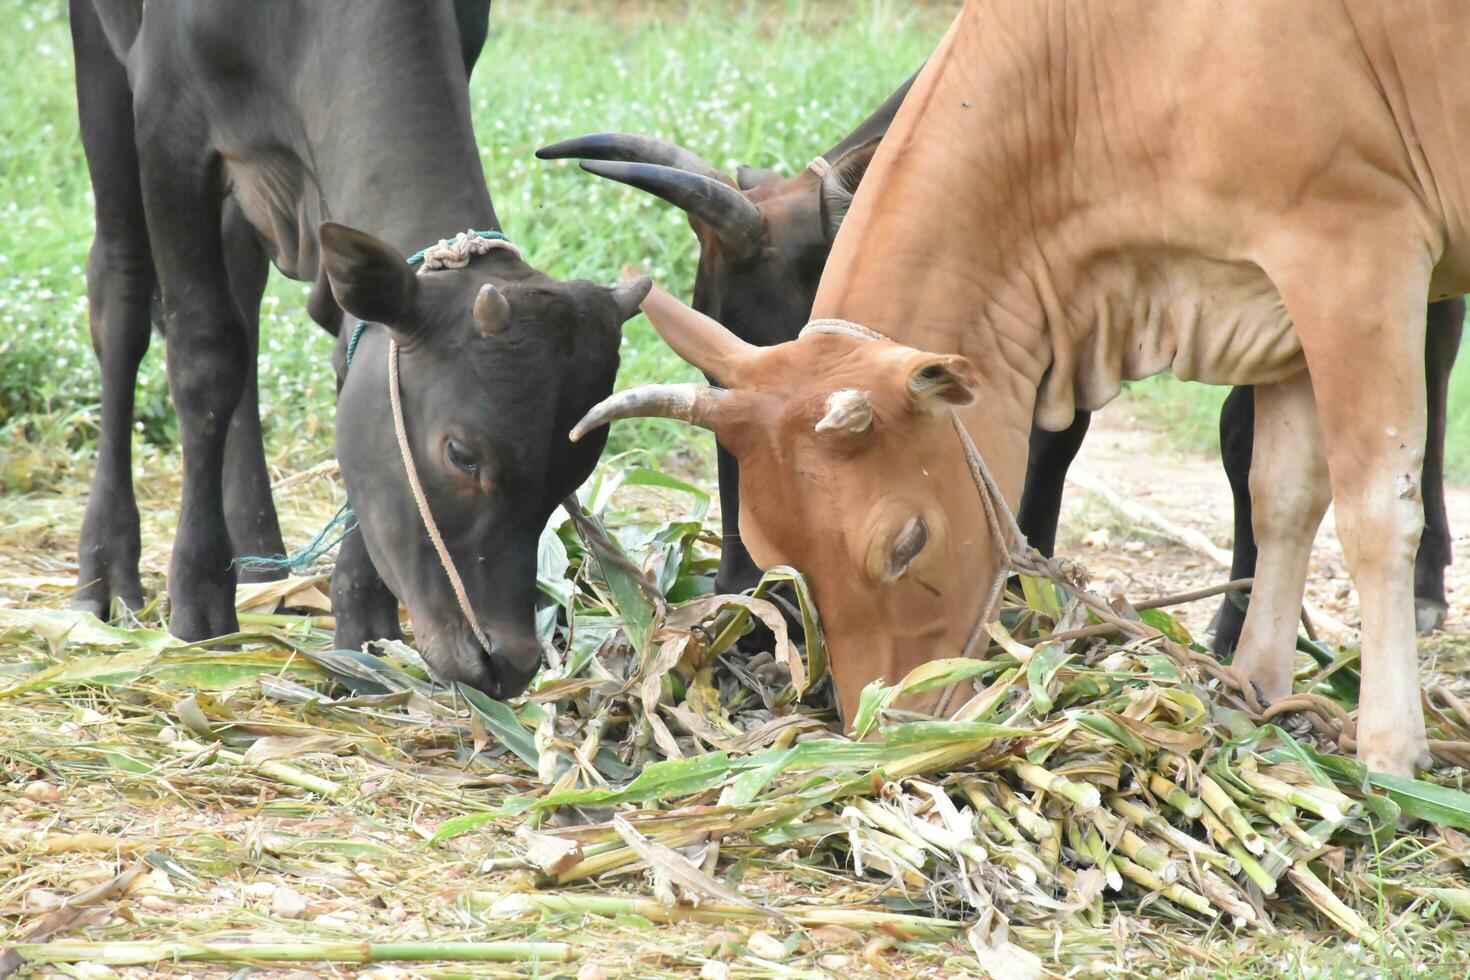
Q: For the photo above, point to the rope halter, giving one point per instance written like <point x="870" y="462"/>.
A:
<point x="452" y="253"/>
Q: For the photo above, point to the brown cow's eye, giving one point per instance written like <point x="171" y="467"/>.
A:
<point x="462" y="458"/>
<point x="906" y="547"/>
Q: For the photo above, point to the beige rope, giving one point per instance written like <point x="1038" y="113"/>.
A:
<point x="401" y="432"/>
<point x="819" y="166"/>
<point x="456" y="252"/>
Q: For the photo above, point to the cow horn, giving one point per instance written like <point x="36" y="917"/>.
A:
<point x="691" y="403"/>
<point x="629" y="293"/>
<point x="633" y="149"/>
<point x="492" y="310"/>
<point x="848" y="410"/>
<point x="735" y="220"/>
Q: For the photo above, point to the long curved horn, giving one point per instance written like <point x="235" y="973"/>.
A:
<point x="633" y="149"/>
<point x="691" y="403"/>
<point x="735" y="220"/>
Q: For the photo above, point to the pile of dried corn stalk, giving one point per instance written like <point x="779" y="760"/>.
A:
<point x="1101" y="766"/>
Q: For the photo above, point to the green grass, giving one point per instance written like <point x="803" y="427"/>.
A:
<point x="763" y="83"/>
<point x="767" y="84"/>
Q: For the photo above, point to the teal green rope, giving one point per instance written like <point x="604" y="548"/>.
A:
<point x="352" y="343"/>
<point x="320" y="546"/>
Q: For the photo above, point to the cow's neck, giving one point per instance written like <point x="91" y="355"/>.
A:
<point x="942" y="249"/>
<point x="400" y="159"/>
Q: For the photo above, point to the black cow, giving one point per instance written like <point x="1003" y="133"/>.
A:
<point x="763" y="242"/>
<point x="334" y="140"/>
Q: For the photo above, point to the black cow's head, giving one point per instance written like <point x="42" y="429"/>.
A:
<point x="763" y="238"/>
<point x="496" y="363"/>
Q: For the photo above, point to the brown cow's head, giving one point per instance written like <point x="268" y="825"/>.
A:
<point x="496" y="361"/>
<point x="830" y="432"/>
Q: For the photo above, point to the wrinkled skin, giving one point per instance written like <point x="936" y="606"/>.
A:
<point x="229" y="102"/>
<point x="764" y="296"/>
<point x="1066" y="245"/>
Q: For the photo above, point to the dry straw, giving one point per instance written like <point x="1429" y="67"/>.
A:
<point x="1103" y="774"/>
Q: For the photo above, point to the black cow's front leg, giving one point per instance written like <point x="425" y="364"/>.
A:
<point x="207" y="359"/>
<point x="738" y="571"/>
<point x="1446" y="322"/>
<point x="120" y="285"/>
<point x="364" y="608"/>
<point x="1050" y="457"/>
<point x="1237" y="439"/>
<point x="250" y="512"/>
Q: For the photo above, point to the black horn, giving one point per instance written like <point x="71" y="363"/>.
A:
<point x="734" y="219"/>
<point x="632" y="149"/>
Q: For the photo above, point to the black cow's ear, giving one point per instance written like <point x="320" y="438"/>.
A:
<point x="369" y="279"/>
<point x="840" y="183"/>
<point x="749" y="178"/>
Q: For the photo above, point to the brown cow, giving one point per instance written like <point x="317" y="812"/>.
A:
<point x="1075" y="194"/>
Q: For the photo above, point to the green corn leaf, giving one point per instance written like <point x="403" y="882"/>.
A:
<point x="1039" y="673"/>
<point x="1166" y="624"/>
<point x="1041" y="595"/>
<point x="811" y="623"/>
<point x="501" y="722"/>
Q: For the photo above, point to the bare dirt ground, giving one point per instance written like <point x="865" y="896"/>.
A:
<point x="1190" y="490"/>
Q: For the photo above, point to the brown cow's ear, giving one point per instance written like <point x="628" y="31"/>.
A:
<point x="942" y="381"/>
<point x="369" y="279"/>
<point x="841" y="182"/>
<point x="701" y="341"/>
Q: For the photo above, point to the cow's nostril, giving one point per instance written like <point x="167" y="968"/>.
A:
<point x="513" y="666"/>
<point x="907" y="546"/>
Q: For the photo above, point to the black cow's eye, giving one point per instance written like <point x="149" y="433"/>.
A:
<point x="461" y="457"/>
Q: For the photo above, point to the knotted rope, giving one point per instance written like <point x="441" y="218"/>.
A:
<point x="456" y="252"/>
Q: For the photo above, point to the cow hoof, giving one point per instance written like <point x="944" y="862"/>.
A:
<point x="107" y="604"/>
<point x="365" y="620"/>
<point x="1429" y="615"/>
<point x="202" y="618"/>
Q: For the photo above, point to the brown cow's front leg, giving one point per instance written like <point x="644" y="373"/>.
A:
<point x="1361" y="332"/>
<point x="1289" y="493"/>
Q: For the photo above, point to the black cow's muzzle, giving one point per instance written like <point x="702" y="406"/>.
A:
<point x="502" y="672"/>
